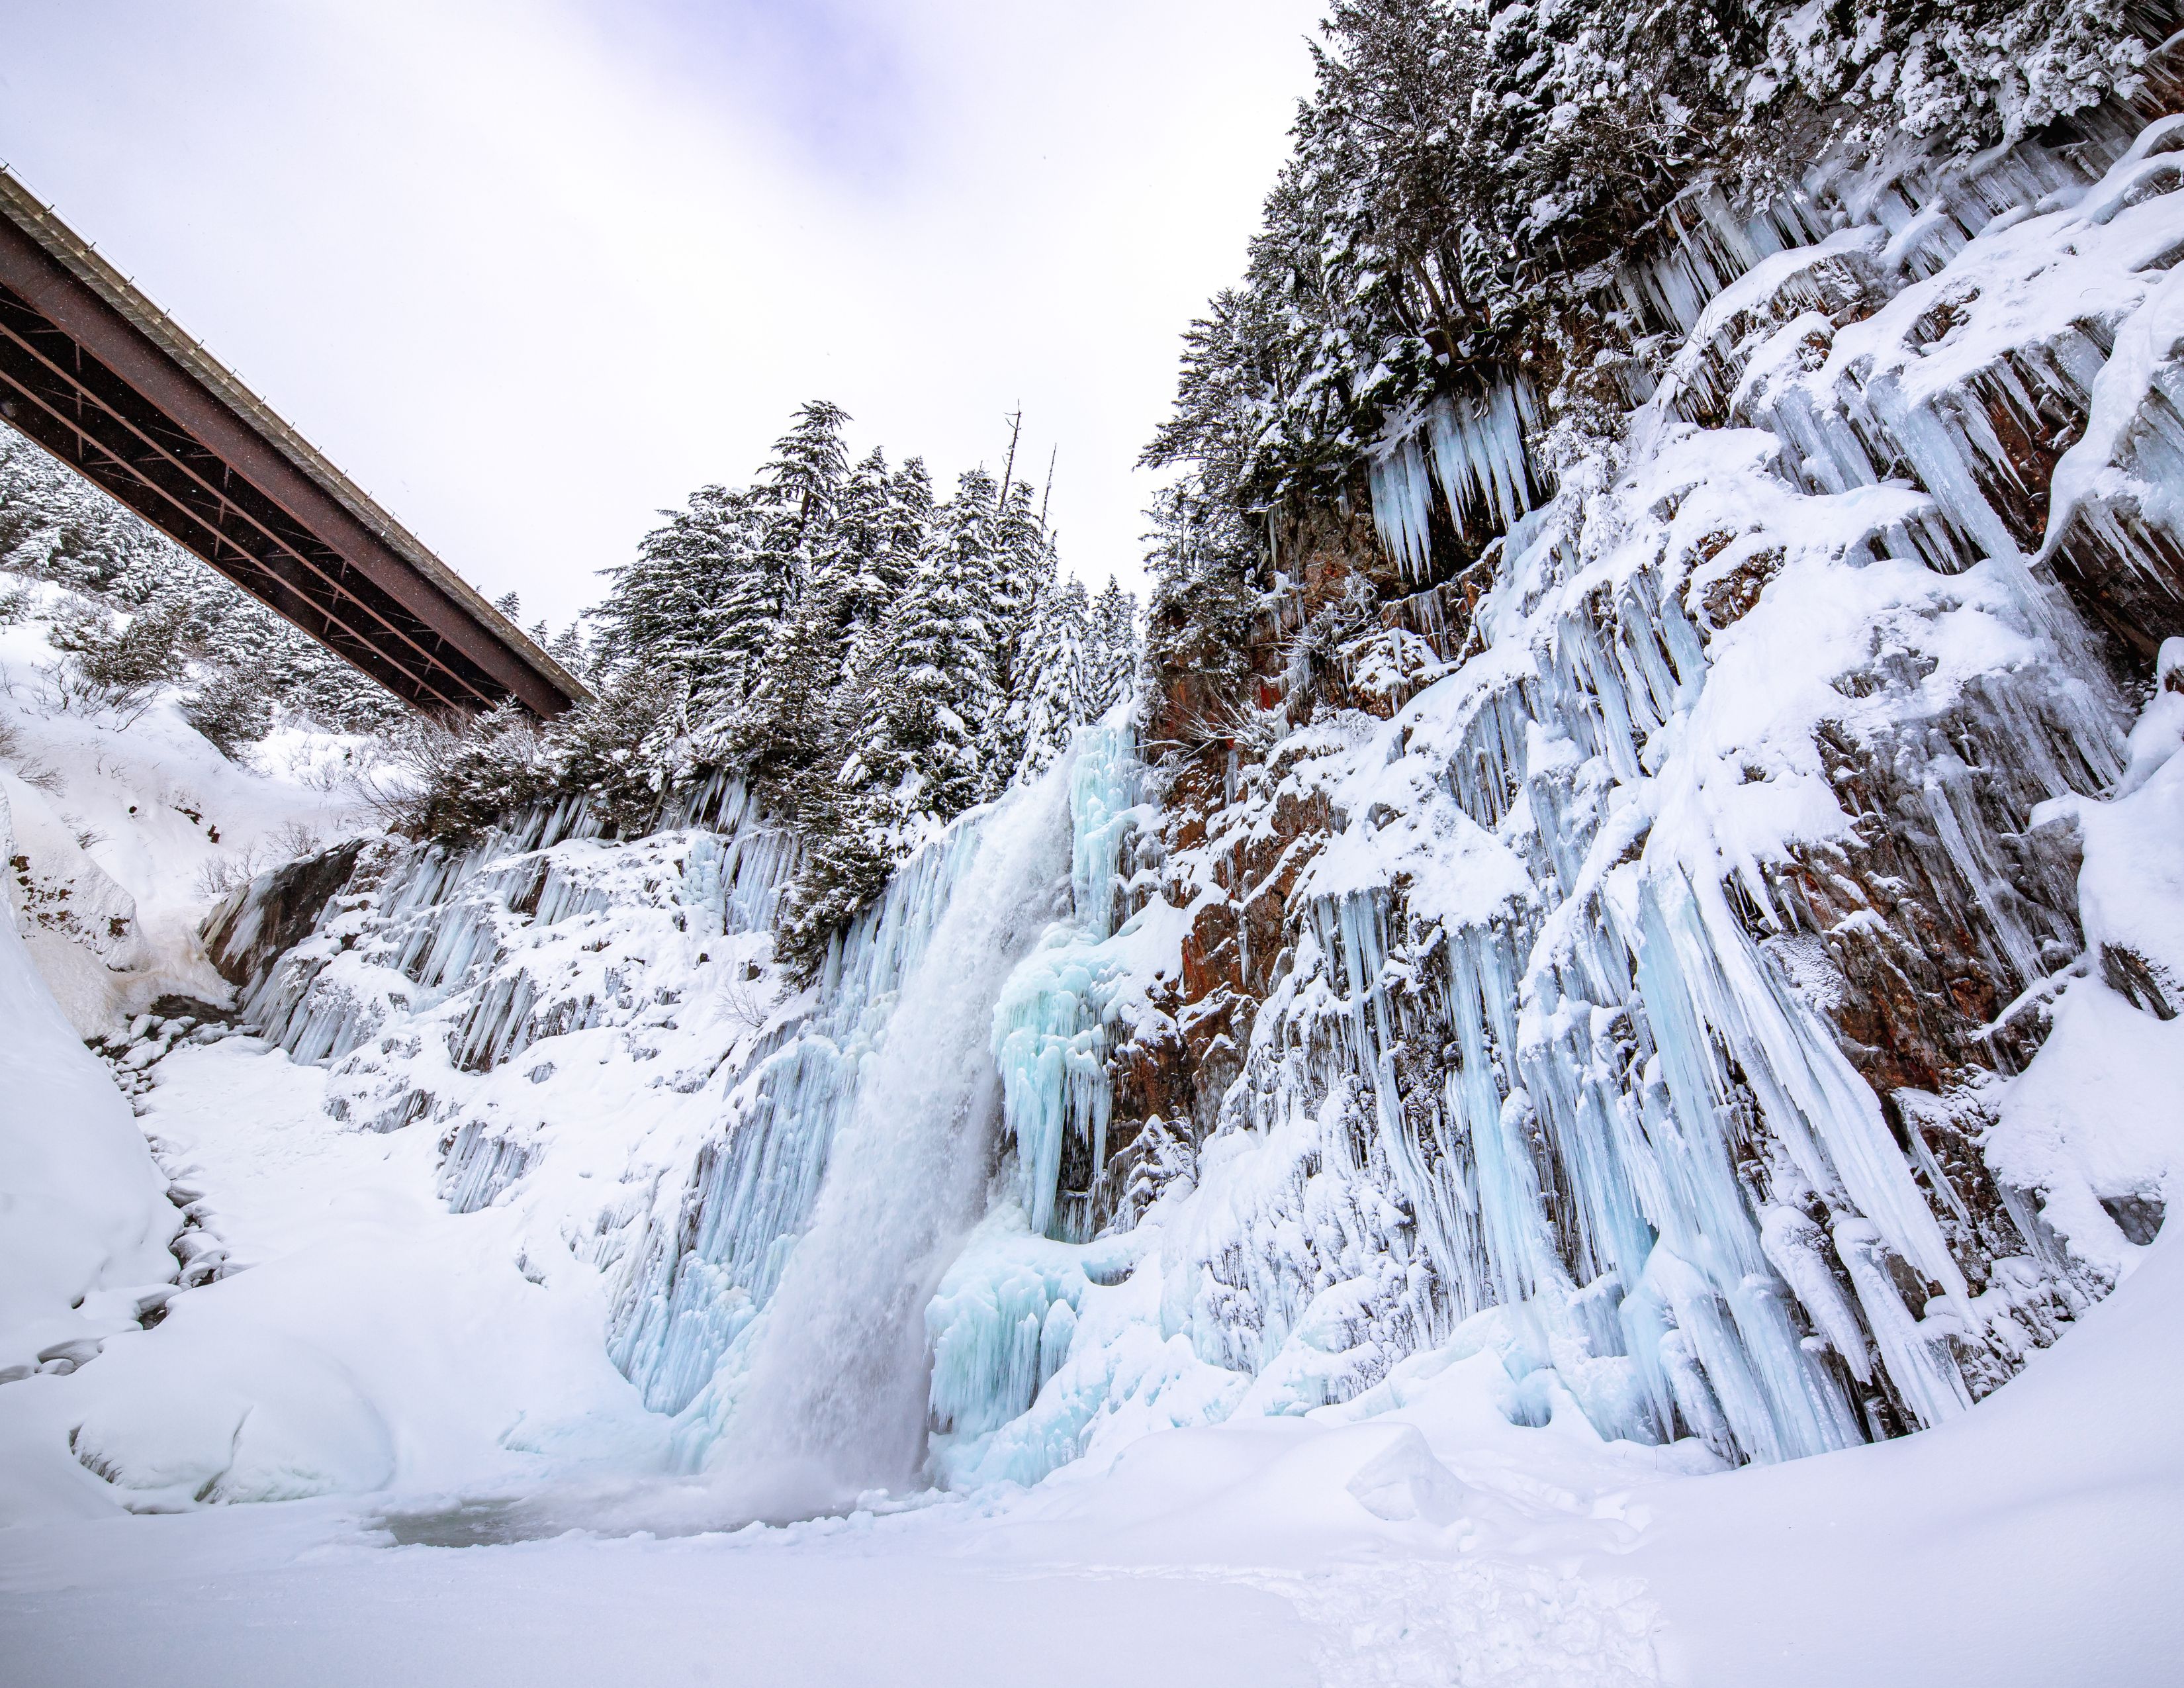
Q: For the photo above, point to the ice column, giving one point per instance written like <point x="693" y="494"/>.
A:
<point x="1050" y="1038"/>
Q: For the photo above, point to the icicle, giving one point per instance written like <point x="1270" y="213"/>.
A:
<point x="1479" y="457"/>
<point x="1402" y="503"/>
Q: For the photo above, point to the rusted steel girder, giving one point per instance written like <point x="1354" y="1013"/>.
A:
<point x="104" y="380"/>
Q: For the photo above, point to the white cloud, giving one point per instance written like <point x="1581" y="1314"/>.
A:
<point x="530" y="269"/>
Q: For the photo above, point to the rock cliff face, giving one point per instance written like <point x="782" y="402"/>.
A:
<point x="1613" y="932"/>
<point x="259" y="923"/>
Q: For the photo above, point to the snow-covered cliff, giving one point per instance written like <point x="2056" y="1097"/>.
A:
<point x="1690" y="959"/>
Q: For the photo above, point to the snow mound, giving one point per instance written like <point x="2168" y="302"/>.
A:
<point x="84" y="1216"/>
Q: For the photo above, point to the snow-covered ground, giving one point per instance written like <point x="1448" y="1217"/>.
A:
<point x="2031" y="1541"/>
<point x="116" y="831"/>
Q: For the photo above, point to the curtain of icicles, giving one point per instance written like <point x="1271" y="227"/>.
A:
<point x="439" y="925"/>
<point x="1471" y="447"/>
<point x="1637" y="1164"/>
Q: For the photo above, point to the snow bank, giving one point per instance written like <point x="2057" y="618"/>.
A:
<point x="2097" y="1123"/>
<point x="361" y="1337"/>
<point x="84" y="1216"/>
<point x="2034" y="1540"/>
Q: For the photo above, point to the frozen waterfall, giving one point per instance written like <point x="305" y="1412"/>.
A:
<point x="835" y="1398"/>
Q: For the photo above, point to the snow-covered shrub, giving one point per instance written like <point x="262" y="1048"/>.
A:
<point x="231" y="708"/>
<point x="621" y="752"/>
<point x="843" y="871"/>
<point x="119" y="663"/>
<point x="456" y="780"/>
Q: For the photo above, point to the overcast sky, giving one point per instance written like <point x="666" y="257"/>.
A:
<point x="530" y="270"/>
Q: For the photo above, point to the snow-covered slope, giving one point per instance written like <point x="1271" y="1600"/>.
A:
<point x="123" y="823"/>
<point x="113" y="826"/>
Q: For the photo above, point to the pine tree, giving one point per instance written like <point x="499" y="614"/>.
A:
<point x="55" y="526"/>
<point x="799" y="485"/>
<point x="792" y="509"/>
<point x="1055" y="696"/>
<point x="1021" y="567"/>
<point x="665" y="609"/>
<point x="908" y="523"/>
<point x="862" y="581"/>
<point x="1113" y="647"/>
<point x="568" y="648"/>
<point x="851" y="848"/>
<point x="904" y="525"/>
<point x="784" y="730"/>
<point x="917" y="750"/>
<point x="1202" y="555"/>
<point x="920" y="705"/>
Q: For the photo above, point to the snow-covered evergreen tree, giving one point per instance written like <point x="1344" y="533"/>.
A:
<point x="859" y="572"/>
<point x="1022" y="566"/>
<point x="1202" y="555"/>
<point x="666" y="609"/>
<point x="783" y="638"/>
<point x="792" y="509"/>
<point x="56" y="526"/>
<point x="1055" y="696"/>
<point x="909" y="514"/>
<point x="905" y="520"/>
<point x="925" y="721"/>
<point x="569" y="648"/>
<point x="801" y="484"/>
<point x="1113" y="648"/>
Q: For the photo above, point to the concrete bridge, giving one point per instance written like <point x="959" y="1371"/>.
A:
<point x="101" y="378"/>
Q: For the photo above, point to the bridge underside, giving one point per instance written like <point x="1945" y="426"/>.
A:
<point x="100" y="378"/>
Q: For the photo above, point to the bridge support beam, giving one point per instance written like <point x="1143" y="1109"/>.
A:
<point x="104" y="381"/>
